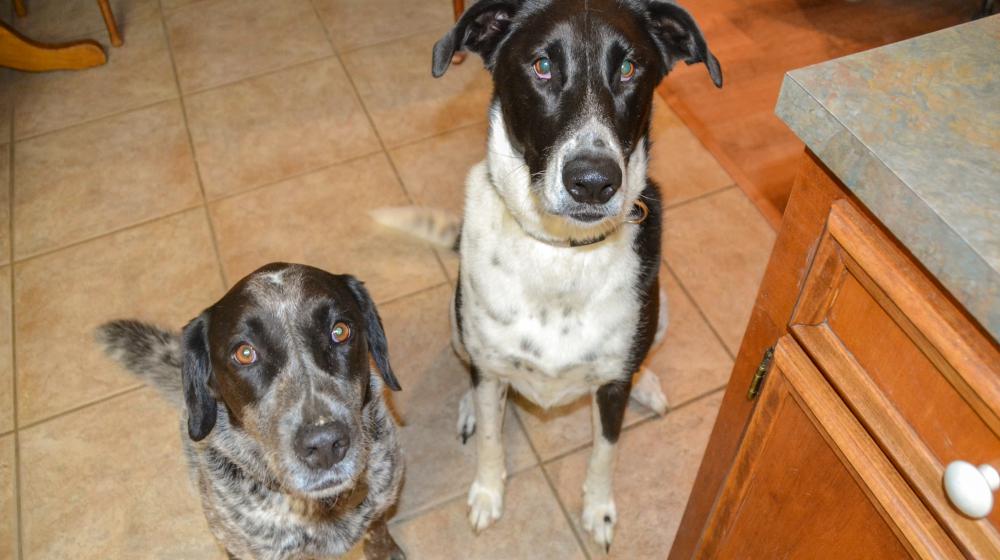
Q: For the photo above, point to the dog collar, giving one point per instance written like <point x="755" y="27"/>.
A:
<point x="636" y="215"/>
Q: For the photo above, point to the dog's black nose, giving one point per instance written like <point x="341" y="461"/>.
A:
<point x="592" y="180"/>
<point x="321" y="447"/>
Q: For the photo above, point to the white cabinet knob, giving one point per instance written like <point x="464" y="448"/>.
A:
<point x="970" y="489"/>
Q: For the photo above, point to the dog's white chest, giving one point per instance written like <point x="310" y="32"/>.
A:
<point x="554" y="322"/>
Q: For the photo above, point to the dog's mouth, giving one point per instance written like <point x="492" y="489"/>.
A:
<point x="326" y="488"/>
<point x="587" y="216"/>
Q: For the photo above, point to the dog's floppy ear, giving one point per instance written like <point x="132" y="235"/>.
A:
<point x="480" y="30"/>
<point x="196" y="371"/>
<point x="378" y="346"/>
<point x="680" y="38"/>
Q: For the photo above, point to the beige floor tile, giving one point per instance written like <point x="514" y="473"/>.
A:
<point x="71" y="20"/>
<point x="219" y="42"/>
<point x="678" y="162"/>
<point x="438" y="466"/>
<point x="4" y="203"/>
<point x="360" y="23"/>
<point x="8" y="500"/>
<point x="170" y="6"/>
<point x="321" y="219"/>
<point x="434" y="170"/>
<point x="84" y="181"/>
<point x="164" y="272"/>
<point x="136" y="74"/>
<point x="405" y="101"/>
<point x="109" y="481"/>
<point x="533" y="526"/>
<point x="719" y="246"/>
<point x="657" y="464"/>
<point x="271" y="127"/>
<point x="690" y="362"/>
<point x="6" y="355"/>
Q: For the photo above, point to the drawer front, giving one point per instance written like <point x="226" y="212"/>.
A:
<point x="917" y="373"/>
<point x="808" y="482"/>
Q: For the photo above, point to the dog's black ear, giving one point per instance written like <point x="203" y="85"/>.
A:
<point x="680" y="38"/>
<point x="378" y="346"/>
<point x="480" y="30"/>
<point x="196" y="371"/>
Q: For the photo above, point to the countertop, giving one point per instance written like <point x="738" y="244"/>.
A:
<point x="913" y="130"/>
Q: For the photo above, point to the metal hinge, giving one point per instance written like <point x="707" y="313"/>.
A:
<point x="758" y="376"/>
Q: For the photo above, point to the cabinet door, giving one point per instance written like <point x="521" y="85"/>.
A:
<point x="919" y="376"/>
<point x="808" y="482"/>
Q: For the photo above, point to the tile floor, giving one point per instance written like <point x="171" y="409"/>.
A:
<point x="228" y="133"/>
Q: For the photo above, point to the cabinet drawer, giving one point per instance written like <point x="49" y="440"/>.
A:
<point x="917" y="373"/>
<point x="808" y="482"/>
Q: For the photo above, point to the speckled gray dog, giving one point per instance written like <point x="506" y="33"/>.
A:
<point x="288" y="438"/>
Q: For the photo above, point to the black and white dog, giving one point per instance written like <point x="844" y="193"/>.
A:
<point x="560" y="244"/>
<point x="287" y="436"/>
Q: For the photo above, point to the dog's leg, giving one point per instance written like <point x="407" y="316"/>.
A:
<point x="379" y="544"/>
<point x="486" y="492"/>
<point x="646" y="389"/>
<point x="607" y="413"/>
<point x="467" y="415"/>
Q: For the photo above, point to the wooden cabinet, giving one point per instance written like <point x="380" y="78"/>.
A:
<point x="878" y="381"/>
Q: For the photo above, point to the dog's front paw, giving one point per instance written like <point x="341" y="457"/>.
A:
<point x="599" y="518"/>
<point x="485" y="504"/>
<point x="647" y="391"/>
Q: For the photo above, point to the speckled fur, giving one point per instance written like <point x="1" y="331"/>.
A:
<point x="248" y="511"/>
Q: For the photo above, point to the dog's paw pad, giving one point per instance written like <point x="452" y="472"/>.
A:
<point x="648" y="392"/>
<point x="485" y="505"/>
<point x="599" y="518"/>
<point x="467" y="416"/>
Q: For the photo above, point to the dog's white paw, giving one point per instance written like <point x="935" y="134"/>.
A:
<point x="599" y="518"/>
<point x="485" y="504"/>
<point x="467" y="416"/>
<point x="648" y="392"/>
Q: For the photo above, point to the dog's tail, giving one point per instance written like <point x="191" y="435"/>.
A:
<point x="152" y="354"/>
<point x="432" y="225"/>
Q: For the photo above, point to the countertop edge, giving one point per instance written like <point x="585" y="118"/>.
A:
<point x="938" y="247"/>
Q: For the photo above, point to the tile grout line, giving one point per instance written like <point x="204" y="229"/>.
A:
<point x="371" y="123"/>
<point x="194" y="154"/>
<point x="100" y="400"/>
<point x="701" y="313"/>
<point x="382" y="43"/>
<point x="13" y="336"/>
<point x="701" y="196"/>
<point x="86" y="240"/>
<point x="642" y="421"/>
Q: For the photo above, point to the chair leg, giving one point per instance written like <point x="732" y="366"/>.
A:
<point x="19" y="8"/>
<point x="109" y="20"/>
<point x="458" y="7"/>
<point x="21" y="53"/>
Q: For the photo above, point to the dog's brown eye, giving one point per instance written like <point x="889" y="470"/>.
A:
<point x="245" y="354"/>
<point x="340" y="332"/>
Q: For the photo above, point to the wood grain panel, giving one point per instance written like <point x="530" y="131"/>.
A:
<point x="809" y="483"/>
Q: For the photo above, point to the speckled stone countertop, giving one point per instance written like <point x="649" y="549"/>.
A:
<point x="913" y="130"/>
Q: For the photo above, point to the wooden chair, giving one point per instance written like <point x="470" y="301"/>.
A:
<point x="22" y="53"/>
